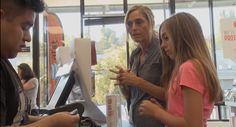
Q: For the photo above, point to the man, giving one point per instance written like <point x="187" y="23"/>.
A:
<point x="17" y="17"/>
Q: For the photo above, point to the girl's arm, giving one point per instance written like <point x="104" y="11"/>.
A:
<point x="193" y="109"/>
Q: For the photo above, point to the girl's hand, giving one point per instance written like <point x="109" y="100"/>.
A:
<point x="149" y="108"/>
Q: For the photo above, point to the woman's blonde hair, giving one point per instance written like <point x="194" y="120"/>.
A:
<point x="147" y="13"/>
<point x="190" y="44"/>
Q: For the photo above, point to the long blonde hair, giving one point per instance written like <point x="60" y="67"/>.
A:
<point x="190" y="44"/>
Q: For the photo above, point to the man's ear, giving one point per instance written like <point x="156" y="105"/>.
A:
<point x="2" y="13"/>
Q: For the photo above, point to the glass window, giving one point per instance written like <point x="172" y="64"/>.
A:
<point x="102" y="7"/>
<point x="225" y="37"/>
<point x="70" y="31"/>
<point x="67" y="17"/>
<point x="225" y="41"/>
<point x="42" y="63"/>
<point x="199" y="10"/>
<point x="111" y="51"/>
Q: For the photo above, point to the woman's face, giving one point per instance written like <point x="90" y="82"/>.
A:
<point x="138" y="27"/>
<point x="167" y="43"/>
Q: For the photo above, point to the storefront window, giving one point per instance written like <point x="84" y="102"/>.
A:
<point x="225" y="41"/>
<point x="66" y="17"/>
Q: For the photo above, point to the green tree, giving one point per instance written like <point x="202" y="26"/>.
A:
<point x="115" y="55"/>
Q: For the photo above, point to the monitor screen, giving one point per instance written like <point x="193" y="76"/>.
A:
<point x="75" y="77"/>
<point x="82" y="69"/>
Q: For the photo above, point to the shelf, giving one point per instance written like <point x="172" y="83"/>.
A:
<point x="230" y="103"/>
<point x="107" y="19"/>
<point x="103" y="16"/>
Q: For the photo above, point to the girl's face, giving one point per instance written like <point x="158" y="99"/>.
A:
<point x="167" y="43"/>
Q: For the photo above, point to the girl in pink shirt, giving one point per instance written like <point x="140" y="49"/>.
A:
<point x="192" y="86"/>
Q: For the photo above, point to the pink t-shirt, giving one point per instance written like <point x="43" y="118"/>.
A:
<point x="189" y="78"/>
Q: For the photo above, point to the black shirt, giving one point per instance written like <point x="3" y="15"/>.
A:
<point x="11" y="91"/>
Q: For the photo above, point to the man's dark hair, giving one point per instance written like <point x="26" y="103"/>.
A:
<point x="15" y="6"/>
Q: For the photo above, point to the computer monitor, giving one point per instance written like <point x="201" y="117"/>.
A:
<point x="78" y="73"/>
<point x="82" y="69"/>
<point x="64" y="86"/>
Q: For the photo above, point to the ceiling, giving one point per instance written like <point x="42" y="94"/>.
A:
<point x="56" y="3"/>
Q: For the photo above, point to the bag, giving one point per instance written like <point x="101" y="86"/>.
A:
<point x="68" y="108"/>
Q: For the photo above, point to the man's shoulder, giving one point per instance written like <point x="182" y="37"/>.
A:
<point x="5" y="74"/>
<point x="3" y="67"/>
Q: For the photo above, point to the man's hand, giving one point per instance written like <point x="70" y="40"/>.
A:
<point x="61" y="119"/>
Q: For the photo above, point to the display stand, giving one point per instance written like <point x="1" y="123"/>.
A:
<point x="232" y="107"/>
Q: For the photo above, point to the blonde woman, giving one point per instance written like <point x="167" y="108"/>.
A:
<point x="143" y="76"/>
<point x="188" y="71"/>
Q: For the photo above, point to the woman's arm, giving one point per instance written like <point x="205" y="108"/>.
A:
<point x="29" y="84"/>
<point x="123" y="88"/>
<point x="125" y="91"/>
<point x="133" y="80"/>
<point x="126" y="77"/>
<point x="154" y="90"/>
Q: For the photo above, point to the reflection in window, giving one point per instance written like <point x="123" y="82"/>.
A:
<point x="225" y="39"/>
<point x="111" y="51"/>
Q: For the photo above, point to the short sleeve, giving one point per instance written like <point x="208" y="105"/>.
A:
<point x="189" y="77"/>
<point x="34" y="81"/>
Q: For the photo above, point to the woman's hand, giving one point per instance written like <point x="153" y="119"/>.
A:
<point x="118" y="71"/>
<point x="125" y="77"/>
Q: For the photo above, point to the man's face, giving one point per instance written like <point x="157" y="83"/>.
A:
<point x="15" y="32"/>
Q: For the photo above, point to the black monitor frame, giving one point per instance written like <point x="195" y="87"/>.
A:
<point x="66" y="90"/>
